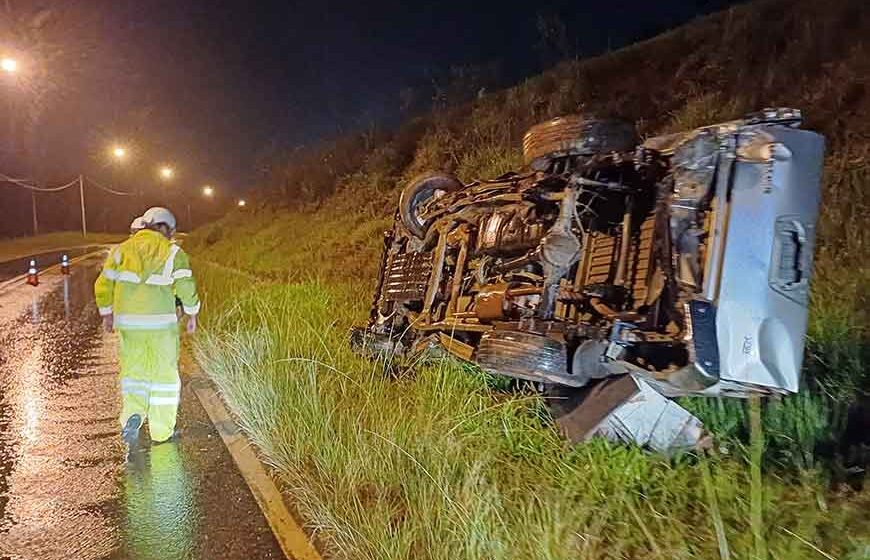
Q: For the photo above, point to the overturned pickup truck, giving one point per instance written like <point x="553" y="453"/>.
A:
<point x="613" y="273"/>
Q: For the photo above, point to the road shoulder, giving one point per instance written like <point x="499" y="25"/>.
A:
<point x="288" y="532"/>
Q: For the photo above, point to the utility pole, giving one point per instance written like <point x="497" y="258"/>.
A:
<point x="35" y="222"/>
<point x="82" y="199"/>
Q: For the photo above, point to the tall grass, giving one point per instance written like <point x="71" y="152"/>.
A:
<point x="431" y="463"/>
<point x="436" y="462"/>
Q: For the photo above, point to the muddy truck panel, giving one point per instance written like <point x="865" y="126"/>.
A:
<point x="761" y="297"/>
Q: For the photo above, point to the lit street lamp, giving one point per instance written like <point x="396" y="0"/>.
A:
<point x="208" y="190"/>
<point x="9" y="65"/>
<point x="242" y="203"/>
<point x="119" y="152"/>
<point x="166" y="173"/>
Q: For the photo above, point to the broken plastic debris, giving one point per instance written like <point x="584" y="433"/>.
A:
<point x="652" y="420"/>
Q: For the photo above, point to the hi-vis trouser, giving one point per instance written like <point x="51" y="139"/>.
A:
<point x="150" y="386"/>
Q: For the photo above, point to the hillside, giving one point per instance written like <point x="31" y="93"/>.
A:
<point x="437" y="462"/>
<point x="772" y="52"/>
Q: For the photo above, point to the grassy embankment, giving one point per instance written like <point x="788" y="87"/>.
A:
<point x="433" y="464"/>
<point x="18" y="247"/>
<point x="436" y="463"/>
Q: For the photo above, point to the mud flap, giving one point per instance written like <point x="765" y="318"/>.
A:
<point x="626" y="409"/>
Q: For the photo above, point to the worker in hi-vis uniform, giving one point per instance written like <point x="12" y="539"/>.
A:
<point x="136" y="293"/>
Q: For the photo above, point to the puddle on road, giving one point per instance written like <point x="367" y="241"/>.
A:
<point x="160" y="502"/>
<point x="52" y="415"/>
<point x="65" y="490"/>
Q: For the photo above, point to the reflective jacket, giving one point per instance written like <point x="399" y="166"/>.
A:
<point x="141" y="279"/>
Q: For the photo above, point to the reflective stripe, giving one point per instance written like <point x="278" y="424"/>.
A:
<point x="127" y="276"/>
<point x="157" y="280"/>
<point x="106" y="310"/>
<point x="121" y="276"/>
<point x="166" y="278"/>
<point x="192" y="310"/>
<point x="162" y="400"/>
<point x="133" y="383"/>
<point x="182" y="273"/>
<point x="116" y="255"/>
<point x="170" y="260"/>
<point x="135" y="387"/>
<point x="130" y="320"/>
<point x="166" y="387"/>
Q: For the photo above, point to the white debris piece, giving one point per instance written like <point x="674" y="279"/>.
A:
<point x="650" y="419"/>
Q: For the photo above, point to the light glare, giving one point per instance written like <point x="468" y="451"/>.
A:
<point x="9" y="65"/>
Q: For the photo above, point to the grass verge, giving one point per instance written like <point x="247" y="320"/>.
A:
<point x="435" y="464"/>
<point x="18" y="247"/>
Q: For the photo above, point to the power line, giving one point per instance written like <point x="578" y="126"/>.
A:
<point x="23" y="184"/>
<point x="107" y="189"/>
<point x="13" y="179"/>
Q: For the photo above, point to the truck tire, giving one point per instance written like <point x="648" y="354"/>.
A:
<point x="575" y="135"/>
<point x="419" y="190"/>
<point x="522" y="355"/>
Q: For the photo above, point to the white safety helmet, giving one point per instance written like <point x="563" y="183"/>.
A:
<point x="158" y="215"/>
<point x="137" y="224"/>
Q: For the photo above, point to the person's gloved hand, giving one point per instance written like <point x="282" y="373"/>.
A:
<point x="108" y="323"/>
<point x="191" y="324"/>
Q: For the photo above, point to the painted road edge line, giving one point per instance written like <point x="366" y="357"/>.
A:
<point x="290" y="536"/>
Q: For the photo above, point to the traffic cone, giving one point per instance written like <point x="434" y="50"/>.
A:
<point x="32" y="274"/>
<point x="64" y="265"/>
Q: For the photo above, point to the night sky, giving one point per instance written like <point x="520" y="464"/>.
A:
<point x="209" y="85"/>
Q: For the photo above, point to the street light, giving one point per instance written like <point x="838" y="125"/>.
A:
<point x="9" y="65"/>
<point x="166" y="172"/>
<point x="241" y="203"/>
<point x="208" y="190"/>
<point x="119" y="152"/>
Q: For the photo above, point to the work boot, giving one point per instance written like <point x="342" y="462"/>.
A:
<point x="174" y="437"/>
<point x="130" y="433"/>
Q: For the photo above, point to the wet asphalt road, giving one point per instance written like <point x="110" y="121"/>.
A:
<point x="16" y="267"/>
<point x="66" y="488"/>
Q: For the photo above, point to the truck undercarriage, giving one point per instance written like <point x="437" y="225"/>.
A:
<point x="616" y="272"/>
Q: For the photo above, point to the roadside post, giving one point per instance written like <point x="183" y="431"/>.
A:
<point x="82" y="202"/>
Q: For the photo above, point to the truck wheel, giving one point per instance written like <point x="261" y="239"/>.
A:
<point x="419" y="190"/>
<point x="522" y="355"/>
<point x="575" y="135"/>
